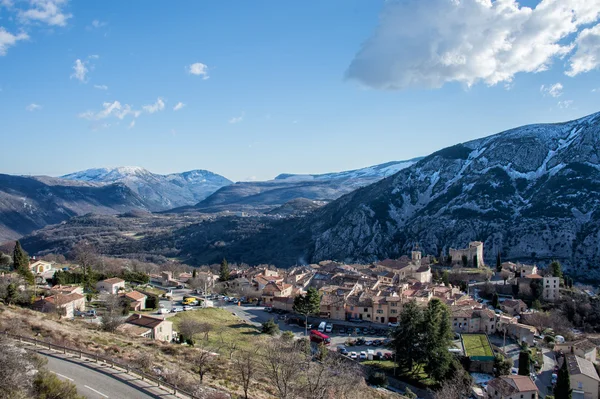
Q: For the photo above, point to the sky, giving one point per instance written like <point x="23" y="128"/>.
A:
<point x="252" y="89"/>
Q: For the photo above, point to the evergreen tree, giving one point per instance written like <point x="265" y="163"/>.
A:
<point x="270" y="327"/>
<point x="11" y="294"/>
<point x="495" y="300"/>
<point x="537" y="288"/>
<point x="437" y="338"/>
<point x="524" y="362"/>
<point x="556" y="269"/>
<point x="563" y="390"/>
<point x="536" y="304"/>
<point x="502" y="365"/>
<point x="498" y="262"/>
<point x="224" y="271"/>
<point x="308" y="304"/>
<point x="407" y="338"/>
<point x="446" y="278"/>
<point x="21" y="263"/>
<point x="194" y="273"/>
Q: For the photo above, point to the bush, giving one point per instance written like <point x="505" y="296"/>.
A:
<point x="410" y="394"/>
<point x="378" y="379"/>
<point x="48" y="386"/>
<point x="270" y="327"/>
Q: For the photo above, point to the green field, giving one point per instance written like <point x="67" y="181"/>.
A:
<point x="226" y="328"/>
<point x="477" y="345"/>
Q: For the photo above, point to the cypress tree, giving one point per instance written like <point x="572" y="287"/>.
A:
<point x="224" y="272"/>
<point x="495" y="300"/>
<point x="194" y="273"/>
<point x="498" y="262"/>
<point x="563" y="389"/>
<point x="524" y="362"/>
<point x="21" y="263"/>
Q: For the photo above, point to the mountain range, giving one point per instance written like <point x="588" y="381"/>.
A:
<point x="531" y="193"/>
<point x="159" y="192"/>
<point x="28" y="203"/>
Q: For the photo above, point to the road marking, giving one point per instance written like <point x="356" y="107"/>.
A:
<point x="63" y="376"/>
<point x="98" y="392"/>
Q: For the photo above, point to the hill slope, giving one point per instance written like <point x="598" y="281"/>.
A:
<point x="160" y="192"/>
<point x="266" y="195"/>
<point x="30" y="203"/>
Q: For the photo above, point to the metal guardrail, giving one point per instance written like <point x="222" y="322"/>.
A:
<point x="96" y="358"/>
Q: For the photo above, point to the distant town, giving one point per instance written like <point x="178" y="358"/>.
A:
<point x="415" y="326"/>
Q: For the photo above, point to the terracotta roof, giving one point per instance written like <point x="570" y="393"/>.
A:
<point x="65" y="288"/>
<point x="143" y="321"/>
<point x="513" y="384"/>
<point x="578" y="365"/>
<point x="63" y="298"/>
<point x="513" y="302"/>
<point x="114" y="280"/>
<point x="395" y="263"/>
<point x="533" y="276"/>
<point x="135" y="295"/>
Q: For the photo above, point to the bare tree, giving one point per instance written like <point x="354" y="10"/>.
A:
<point x="246" y="367"/>
<point x="112" y="317"/>
<point x="540" y="320"/>
<point x="458" y="387"/>
<point x="505" y="275"/>
<point x="281" y="366"/>
<point x="15" y="369"/>
<point x="203" y="361"/>
<point x="189" y="328"/>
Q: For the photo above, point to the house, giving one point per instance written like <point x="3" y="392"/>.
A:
<point x="584" y="378"/>
<point x="273" y="290"/>
<point x="551" y="289"/>
<point x="512" y="387"/>
<point x="513" y="307"/>
<point x="474" y="321"/>
<point x="524" y="270"/>
<point x="407" y="268"/>
<point x="521" y="332"/>
<point x="137" y="300"/>
<point x="65" y="304"/>
<point x="473" y="254"/>
<point x="283" y="303"/>
<point x="582" y="348"/>
<point x="111" y="285"/>
<point x="149" y="327"/>
<point x="67" y="289"/>
<point x="40" y="266"/>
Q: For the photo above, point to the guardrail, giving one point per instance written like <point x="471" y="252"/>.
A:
<point x="96" y="358"/>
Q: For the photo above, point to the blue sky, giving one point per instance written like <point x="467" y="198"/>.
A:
<point x="295" y="87"/>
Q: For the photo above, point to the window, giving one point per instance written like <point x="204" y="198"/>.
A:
<point x="351" y="307"/>
<point x="579" y="385"/>
<point x="379" y="311"/>
<point x="393" y="311"/>
<point x="366" y="310"/>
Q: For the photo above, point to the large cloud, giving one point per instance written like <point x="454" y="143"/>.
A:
<point x="587" y="56"/>
<point x="427" y="43"/>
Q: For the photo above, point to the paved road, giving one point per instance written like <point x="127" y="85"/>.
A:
<point x="92" y="384"/>
<point x="544" y="379"/>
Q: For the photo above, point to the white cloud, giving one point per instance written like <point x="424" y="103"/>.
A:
<point x="93" y="57"/>
<point x="159" y="105"/>
<point x="114" y="109"/>
<point x="132" y="124"/>
<point x="237" y="119"/>
<point x="47" y="11"/>
<point x="178" y="106"/>
<point x="32" y="107"/>
<point x="98" y="24"/>
<point x="587" y="55"/>
<point x="198" y="69"/>
<point x="80" y="70"/>
<point x="554" y="90"/>
<point x="430" y="43"/>
<point x="101" y="87"/>
<point x="565" y="104"/>
<point x="7" y="40"/>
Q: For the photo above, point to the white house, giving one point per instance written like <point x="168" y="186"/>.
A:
<point x="111" y="285"/>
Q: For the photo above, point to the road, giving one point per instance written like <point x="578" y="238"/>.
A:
<point x="544" y="379"/>
<point x="90" y="383"/>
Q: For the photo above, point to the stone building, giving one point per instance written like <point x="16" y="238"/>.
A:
<point x="473" y="252"/>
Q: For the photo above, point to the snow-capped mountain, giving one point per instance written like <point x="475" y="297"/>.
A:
<point x="531" y="193"/>
<point x="160" y="192"/>
<point x="266" y="195"/>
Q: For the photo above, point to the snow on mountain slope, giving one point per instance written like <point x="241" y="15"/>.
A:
<point x="161" y="192"/>
<point x="266" y="195"/>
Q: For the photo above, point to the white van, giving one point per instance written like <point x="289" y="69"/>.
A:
<point x="322" y="327"/>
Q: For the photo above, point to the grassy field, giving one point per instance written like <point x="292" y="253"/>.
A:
<point x="477" y="345"/>
<point x="226" y="328"/>
<point x="380" y="364"/>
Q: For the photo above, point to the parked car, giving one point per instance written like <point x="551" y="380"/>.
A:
<point x="378" y="355"/>
<point x="390" y="324"/>
<point x="368" y="343"/>
<point x="328" y="328"/>
<point x="353" y="355"/>
<point x="363" y="355"/>
<point x="176" y="309"/>
<point x="163" y="311"/>
<point x="360" y="341"/>
<point x="342" y="330"/>
<point x="377" y="342"/>
<point x="388" y="356"/>
<point x="188" y="307"/>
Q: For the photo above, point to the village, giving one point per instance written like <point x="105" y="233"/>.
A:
<point x="496" y="314"/>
